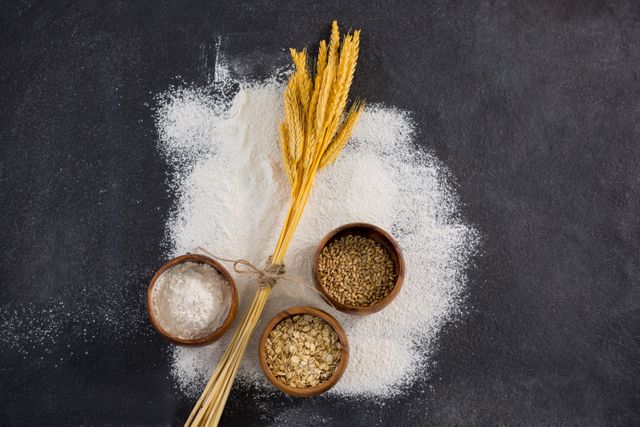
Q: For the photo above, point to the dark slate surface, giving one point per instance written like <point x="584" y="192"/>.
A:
<point x="534" y="108"/>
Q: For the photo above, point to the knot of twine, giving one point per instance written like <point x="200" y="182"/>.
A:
<point x="267" y="276"/>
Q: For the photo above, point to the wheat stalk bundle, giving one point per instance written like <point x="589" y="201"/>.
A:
<point x="314" y="131"/>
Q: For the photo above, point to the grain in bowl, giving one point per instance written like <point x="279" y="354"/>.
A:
<point x="359" y="268"/>
<point x="303" y="351"/>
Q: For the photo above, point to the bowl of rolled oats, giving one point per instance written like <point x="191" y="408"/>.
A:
<point x="358" y="268"/>
<point x="303" y="351"/>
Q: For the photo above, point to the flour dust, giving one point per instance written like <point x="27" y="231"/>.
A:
<point x="232" y="196"/>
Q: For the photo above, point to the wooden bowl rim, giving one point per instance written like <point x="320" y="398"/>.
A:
<point x="337" y="374"/>
<point x="399" y="277"/>
<point x="233" y="309"/>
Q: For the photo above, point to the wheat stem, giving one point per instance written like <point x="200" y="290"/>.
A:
<point x="313" y="133"/>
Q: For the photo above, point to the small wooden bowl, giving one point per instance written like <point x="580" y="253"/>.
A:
<point x="322" y="387"/>
<point x="213" y="336"/>
<point x="379" y="236"/>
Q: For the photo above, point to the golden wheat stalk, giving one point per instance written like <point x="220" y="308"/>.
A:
<point x="314" y="131"/>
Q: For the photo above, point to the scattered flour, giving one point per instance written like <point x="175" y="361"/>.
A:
<point x="232" y="198"/>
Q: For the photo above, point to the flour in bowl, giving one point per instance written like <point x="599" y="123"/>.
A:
<point x="191" y="300"/>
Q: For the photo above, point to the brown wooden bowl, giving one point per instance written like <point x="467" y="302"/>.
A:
<point x="213" y="336"/>
<point x="322" y="387"/>
<point x="379" y="236"/>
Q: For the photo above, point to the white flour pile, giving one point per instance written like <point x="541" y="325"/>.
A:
<point x="233" y="197"/>
<point x="191" y="300"/>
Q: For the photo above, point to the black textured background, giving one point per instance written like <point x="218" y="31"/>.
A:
<point x="533" y="107"/>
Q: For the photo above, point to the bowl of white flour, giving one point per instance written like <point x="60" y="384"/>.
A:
<point x="192" y="300"/>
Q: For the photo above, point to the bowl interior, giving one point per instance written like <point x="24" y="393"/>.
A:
<point x="322" y="387"/>
<point x="217" y="333"/>
<point x="379" y="236"/>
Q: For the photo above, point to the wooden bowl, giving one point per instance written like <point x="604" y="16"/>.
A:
<point x="322" y="387"/>
<point x="213" y="336"/>
<point x="379" y="236"/>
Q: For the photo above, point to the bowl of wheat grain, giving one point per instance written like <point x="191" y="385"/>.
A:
<point x="358" y="268"/>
